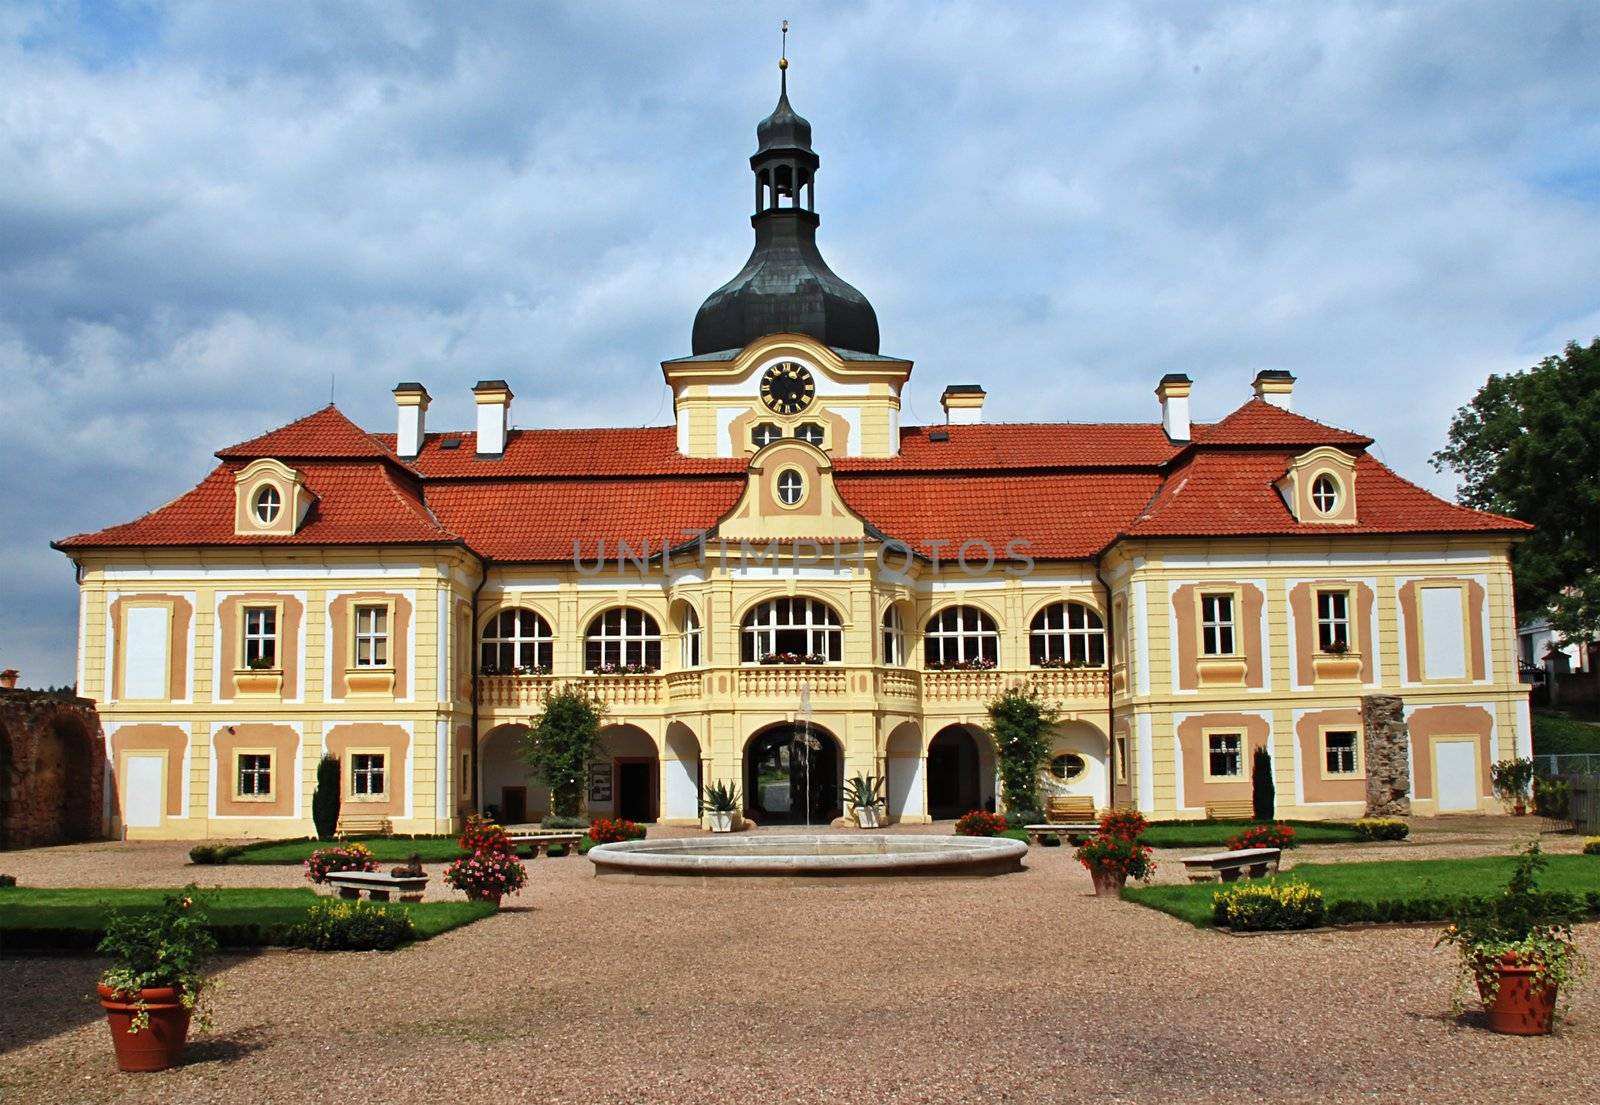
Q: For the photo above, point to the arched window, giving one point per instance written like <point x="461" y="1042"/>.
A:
<point x="516" y="642"/>
<point x="622" y="639"/>
<point x="1325" y="494"/>
<point x="792" y="630"/>
<point x="791" y="487"/>
<point x="1067" y="634"/>
<point x="268" y="503"/>
<point x="894" y="637"/>
<point x="960" y="637"/>
<point x="690" y="657"/>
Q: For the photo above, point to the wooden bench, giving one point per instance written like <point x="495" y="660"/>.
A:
<point x="1241" y="809"/>
<point x="539" y="842"/>
<point x="378" y="885"/>
<point x="1063" y="809"/>
<point x="363" y="825"/>
<point x="1231" y="866"/>
<point x="1072" y="832"/>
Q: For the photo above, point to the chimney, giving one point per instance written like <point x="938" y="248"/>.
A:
<point x="494" y="416"/>
<point x="411" y="404"/>
<point x="1173" y="391"/>
<point x="1275" y="386"/>
<point x="963" y="404"/>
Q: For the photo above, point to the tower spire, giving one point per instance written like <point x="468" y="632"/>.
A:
<point x="783" y="64"/>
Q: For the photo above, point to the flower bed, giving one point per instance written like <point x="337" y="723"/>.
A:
<point x="1277" y="835"/>
<point x="1383" y="828"/>
<point x="348" y="857"/>
<point x="1268" y="906"/>
<point x="610" y="830"/>
<point x="980" y="823"/>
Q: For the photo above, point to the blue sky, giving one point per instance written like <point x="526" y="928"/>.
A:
<point x="215" y="214"/>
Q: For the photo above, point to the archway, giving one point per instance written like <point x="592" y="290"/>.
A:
<point x="62" y="767"/>
<point x="903" y="766"/>
<point x="960" y="773"/>
<point x="631" y="788"/>
<point x="1077" y="763"/>
<point x="505" y="790"/>
<point x="792" y="775"/>
<point x="681" y="800"/>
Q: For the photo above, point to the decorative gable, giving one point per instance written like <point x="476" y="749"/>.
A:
<point x="270" y="499"/>
<point x="1320" y="487"/>
<point x="790" y="493"/>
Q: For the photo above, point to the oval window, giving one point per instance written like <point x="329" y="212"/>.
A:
<point x="1068" y="766"/>
<point x="791" y="487"/>
<point x="1324" y="494"/>
<point x="268" y="504"/>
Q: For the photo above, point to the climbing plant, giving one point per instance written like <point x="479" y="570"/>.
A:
<point x="1020" y="720"/>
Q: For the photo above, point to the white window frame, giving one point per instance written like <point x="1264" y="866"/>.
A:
<point x="256" y="772"/>
<point x="1333" y="493"/>
<point x="763" y="434"/>
<point x="1218" y="626"/>
<point x="689" y="655"/>
<point x="790" y="487"/>
<point x="257" y="638"/>
<point x="634" y="639"/>
<point x="812" y="433"/>
<point x="1067" y="631"/>
<point x="519" y="634"/>
<point x="362" y="775"/>
<point x="1329" y="771"/>
<point x="1333" y="618"/>
<point x="948" y="639"/>
<point x="894" y="637"/>
<point x="265" y="512"/>
<point x="814" y="620"/>
<point x="1211" y="750"/>
<point x="373" y="631"/>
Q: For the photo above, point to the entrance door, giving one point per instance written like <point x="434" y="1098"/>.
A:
<point x="636" y="789"/>
<point x="513" y="805"/>
<point x="1455" y="765"/>
<point x="141" y="805"/>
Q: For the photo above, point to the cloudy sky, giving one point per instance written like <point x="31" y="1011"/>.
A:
<point x="212" y="216"/>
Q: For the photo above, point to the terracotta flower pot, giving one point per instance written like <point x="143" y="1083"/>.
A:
<point x="485" y="896"/>
<point x="154" y="1048"/>
<point x="1108" y="884"/>
<point x="1519" y="1008"/>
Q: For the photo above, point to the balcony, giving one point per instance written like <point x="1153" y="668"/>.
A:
<point x="1057" y="684"/>
<point x="526" y="692"/>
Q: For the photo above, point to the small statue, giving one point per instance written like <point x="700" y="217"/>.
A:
<point x="410" y="869"/>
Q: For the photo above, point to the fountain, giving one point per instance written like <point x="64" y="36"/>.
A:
<point x="837" y="855"/>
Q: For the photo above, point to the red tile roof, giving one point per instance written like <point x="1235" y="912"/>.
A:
<point x="989" y="446"/>
<point x="1233" y="493"/>
<point x="1261" y="423"/>
<point x="541" y="520"/>
<point x="358" y="503"/>
<point x="325" y="433"/>
<point x="642" y="451"/>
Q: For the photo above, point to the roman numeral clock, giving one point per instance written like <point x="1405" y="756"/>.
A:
<point x="787" y="388"/>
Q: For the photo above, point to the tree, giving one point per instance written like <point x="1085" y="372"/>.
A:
<point x="560" y="743"/>
<point x="1263" y="792"/>
<point x="1020" y="721"/>
<point x="325" y="799"/>
<point x="1528" y="445"/>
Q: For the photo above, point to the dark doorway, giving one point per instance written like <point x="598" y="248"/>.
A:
<point x="513" y="805"/>
<point x="952" y="774"/>
<point x="636" y="789"/>
<point x="792" y="776"/>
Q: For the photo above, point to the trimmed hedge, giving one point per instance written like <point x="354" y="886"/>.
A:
<point x="336" y="926"/>
<point x="214" y="853"/>
<point x="1383" y="828"/>
<point x="1268" y="906"/>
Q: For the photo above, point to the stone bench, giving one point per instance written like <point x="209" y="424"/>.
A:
<point x="1231" y="866"/>
<point x="539" y="842"/>
<point x="378" y="885"/>
<point x="1241" y="809"/>
<point x="1073" y="832"/>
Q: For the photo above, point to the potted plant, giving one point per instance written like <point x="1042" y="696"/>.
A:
<point x="864" y="795"/>
<point x="491" y="869"/>
<point x="1516" y="950"/>
<point x="720" y="801"/>
<point x="154" y="984"/>
<point x="1512" y="780"/>
<point x="1111" y="856"/>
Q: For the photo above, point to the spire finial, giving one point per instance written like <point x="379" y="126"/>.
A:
<point x="783" y="61"/>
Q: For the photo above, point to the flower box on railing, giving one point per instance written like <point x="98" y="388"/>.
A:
<point x="794" y="658"/>
<point x="623" y="669"/>
<point x="978" y="664"/>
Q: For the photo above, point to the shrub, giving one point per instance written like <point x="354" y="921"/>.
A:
<point x="7" y="880"/>
<point x="1020" y="721"/>
<point x="1383" y="828"/>
<point x="1550" y="799"/>
<point x="555" y="821"/>
<point x="560" y="743"/>
<point x="166" y="946"/>
<point x="214" y="853"/>
<point x="483" y="835"/>
<point x="1050" y="840"/>
<point x="1024" y="817"/>
<point x="1268" y="906"/>
<point x="1130" y="824"/>
<point x="1591" y="847"/>
<point x="1263" y="794"/>
<point x="332" y="925"/>
<point x="487" y="875"/>
<point x="981" y="823"/>
<point x="349" y="857"/>
<point x="325" y="799"/>
<point x="1512" y="780"/>
<point x="1279" y="835"/>
<point x="608" y="830"/>
<point x="1116" y="855"/>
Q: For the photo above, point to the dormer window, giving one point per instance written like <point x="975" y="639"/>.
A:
<point x="809" y="432"/>
<point x="765" y="434"/>
<point x="1325" y="494"/>
<point x="791" y="487"/>
<point x="268" y="504"/>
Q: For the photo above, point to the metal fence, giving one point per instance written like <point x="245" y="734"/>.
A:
<point x="1571" y="763"/>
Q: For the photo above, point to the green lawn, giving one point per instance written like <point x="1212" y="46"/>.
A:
<point x="1427" y="881"/>
<point x="51" y="918"/>
<point x="1559" y="735"/>
<point x="386" y="849"/>
<point x="1216" y="834"/>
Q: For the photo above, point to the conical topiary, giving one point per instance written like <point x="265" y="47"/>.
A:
<point x="1263" y="795"/>
<point x="325" y="799"/>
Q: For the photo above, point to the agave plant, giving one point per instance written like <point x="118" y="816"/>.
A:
<point x="719" y="797"/>
<point x="864" y="792"/>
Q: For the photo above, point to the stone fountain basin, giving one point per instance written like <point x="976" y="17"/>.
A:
<point x="835" y="855"/>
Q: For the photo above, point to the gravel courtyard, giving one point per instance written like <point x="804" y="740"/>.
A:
<point x="1024" y="988"/>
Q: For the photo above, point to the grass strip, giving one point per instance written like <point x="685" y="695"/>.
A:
<point x="385" y="849"/>
<point x="1392" y="890"/>
<point x="1216" y="834"/>
<point x="74" y="919"/>
<point x="1559" y="735"/>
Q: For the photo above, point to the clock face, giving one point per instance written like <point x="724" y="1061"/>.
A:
<point x="787" y="388"/>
